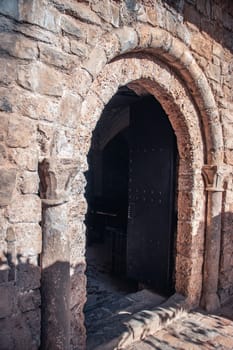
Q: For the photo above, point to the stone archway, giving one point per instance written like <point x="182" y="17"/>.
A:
<point x="151" y="75"/>
<point x="156" y="42"/>
<point x="161" y="44"/>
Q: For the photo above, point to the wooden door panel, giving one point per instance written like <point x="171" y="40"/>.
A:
<point x="151" y="189"/>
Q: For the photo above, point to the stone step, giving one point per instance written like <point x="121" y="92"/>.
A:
<point x="144" y="314"/>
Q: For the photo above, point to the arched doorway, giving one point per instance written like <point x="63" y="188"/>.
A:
<point x="131" y="192"/>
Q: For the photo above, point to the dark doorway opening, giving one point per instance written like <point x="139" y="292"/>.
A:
<point x="131" y="186"/>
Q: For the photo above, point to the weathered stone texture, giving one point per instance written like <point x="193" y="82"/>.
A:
<point x="70" y="110"/>
<point x="69" y="26"/>
<point x="7" y="71"/>
<point x="29" y="183"/>
<point x="7" y="185"/>
<point x="42" y="79"/>
<point x="18" y="46"/>
<point x="25" y="208"/>
<point x="56" y="58"/>
<point x="19" y="132"/>
<point x="60" y="63"/>
<point x="7" y="302"/>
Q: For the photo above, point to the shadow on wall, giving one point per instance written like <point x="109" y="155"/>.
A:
<point x="213" y="17"/>
<point x="24" y="318"/>
<point x="20" y="301"/>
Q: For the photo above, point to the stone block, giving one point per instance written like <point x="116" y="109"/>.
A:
<point x="213" y="71"/>
<point x="25" y="158"/>
<point x="6" y="103"/>
<point x="3" y="154"/>
<point x="10" y="234"/>
<point x="7" y="300"/>
<point x="183" y="33"/>
<point x="141" y="14"/>
<point x="202" y="45"/>
<point x="78" y="10"/>
<point x="30" y="300"/>
<point x="217" y="50"/>
<point x="97" y="60"/>
<point x="80" y="81"/>
<point x="70" y="109"/>
<point x="115" y="18"/>
<point x="6" y="336"/>
<point x="109" y="12"/>
<point x="38" y="33"/>
<point x="56" y="58"/>
<point x="71" y="27"/>
<point x="9" y="8"/>
<point x="20" y="330"/>
<point x="94" y="35"/>
<point x="36" y="106"/>
<point x="28" y="276"/>
<point x="229" y="156"/>
<point x="30" y="183"/>
<point x="18" y="46"/>
<point x="41" y="78"/>
<point x="33" y="318"/>
<point x="103" y="9"/>
<point x="36" y="12"/>
<point x="4" y="125"/>
<point x="7" y="185"/>
<point x="78" y="48"/>
<point x="28" y="239"/>
<point x="20" y="132"/>
<point x="111" y="46"/>
<point x="152" y="16"/>
<point x="228" y="132"/>
<point x="7" y="71"/>
<point x="64" y="146"/>
<point x="24" y="208"/>
<point x="128" y="38"/>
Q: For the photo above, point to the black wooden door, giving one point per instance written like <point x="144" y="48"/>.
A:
<point x="151" y="196"/>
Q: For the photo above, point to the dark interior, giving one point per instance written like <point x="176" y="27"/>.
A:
<point x="112" y="196"/>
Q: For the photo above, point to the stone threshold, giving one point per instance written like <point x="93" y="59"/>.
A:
<point x="118" y="335"/>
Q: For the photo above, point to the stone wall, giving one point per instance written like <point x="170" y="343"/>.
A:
<point x="56" y="58"/>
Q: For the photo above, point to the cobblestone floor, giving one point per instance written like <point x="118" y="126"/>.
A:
<point x="194" y="331"/>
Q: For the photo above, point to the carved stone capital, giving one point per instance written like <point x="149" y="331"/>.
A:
<point x="213" y="177"/>
<point x="56" y="177"/>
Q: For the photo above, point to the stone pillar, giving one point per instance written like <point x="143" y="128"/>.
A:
<point x="214" y="187"/>
<point x="56" y="177"/>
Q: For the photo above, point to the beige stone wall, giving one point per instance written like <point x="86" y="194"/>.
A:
<point x="56" y="75"/>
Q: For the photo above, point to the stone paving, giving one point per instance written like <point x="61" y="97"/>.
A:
<point x="117" y="330"/>
<point x="193" y="331"/>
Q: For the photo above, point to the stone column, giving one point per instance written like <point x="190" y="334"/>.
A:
<point x="214" y="187"/>
<point x="56" y="177"/>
